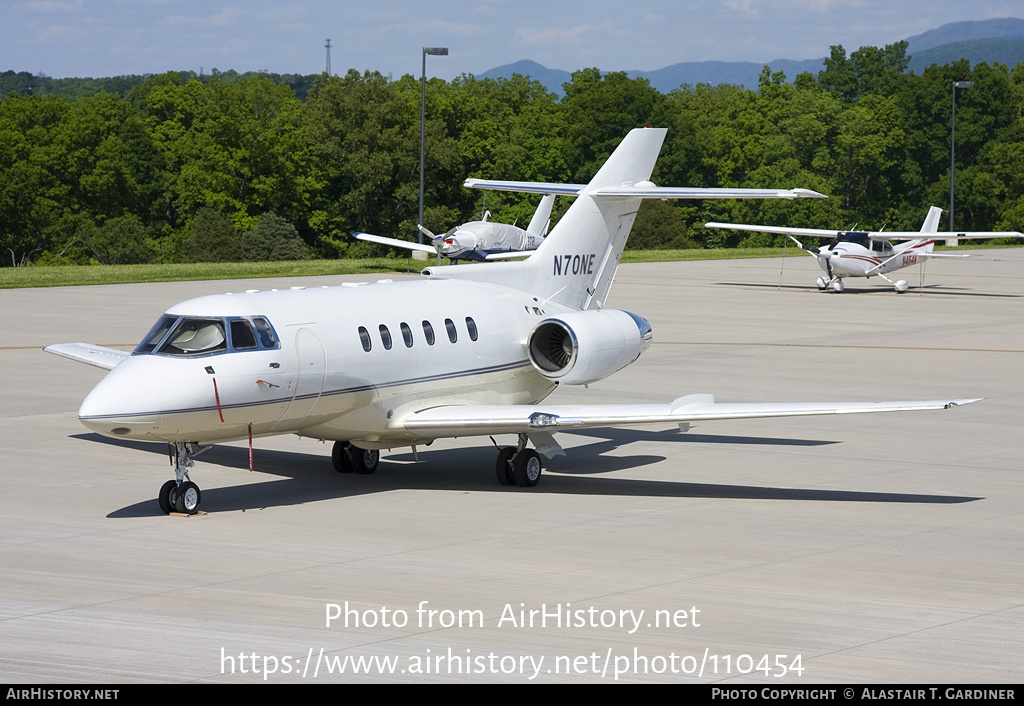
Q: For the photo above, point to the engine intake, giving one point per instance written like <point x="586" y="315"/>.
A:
<point x="586" y="346"/>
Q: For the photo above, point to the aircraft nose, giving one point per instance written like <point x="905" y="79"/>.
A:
<point x="122" y="405"/>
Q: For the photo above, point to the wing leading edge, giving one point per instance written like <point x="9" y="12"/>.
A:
<point x="882" y="235"/>
<point x="645" y="190"/>
<point x="525" y="419"/>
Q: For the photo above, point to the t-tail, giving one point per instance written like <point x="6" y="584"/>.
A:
<point x="576" y="263"/>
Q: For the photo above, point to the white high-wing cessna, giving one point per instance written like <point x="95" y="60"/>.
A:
<point x="480" y="240"/>
<point x="470" y="351"/>
<point x="866" y="254"/>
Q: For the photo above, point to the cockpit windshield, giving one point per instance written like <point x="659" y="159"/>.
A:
<point x="201" y="336"/>
<point x="852" y="236"/>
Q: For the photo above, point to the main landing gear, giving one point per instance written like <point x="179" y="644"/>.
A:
<point x="348" y="458"/>
<point x="181" y="494"/>
<point x="518" y="465"/>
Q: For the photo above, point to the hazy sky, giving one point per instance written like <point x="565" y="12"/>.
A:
<point x="63" y="38"/>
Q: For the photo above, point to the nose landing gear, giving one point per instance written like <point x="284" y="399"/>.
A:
<point x="181" y="494"/>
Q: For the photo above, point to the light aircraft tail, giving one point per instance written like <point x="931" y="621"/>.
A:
<point x="931" y="225"/>
<point x="542" y="216"/>
<point x="931" y="221"/>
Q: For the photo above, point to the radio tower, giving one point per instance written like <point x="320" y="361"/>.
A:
<point x="328" y="45"/>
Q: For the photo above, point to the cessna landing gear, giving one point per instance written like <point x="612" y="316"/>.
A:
<point x="518" y="465"/>
<point x="900" y="285"/>
<point x="181" y="494"/>
<point x="347" y="458"/>
<point x="836" y="284"/>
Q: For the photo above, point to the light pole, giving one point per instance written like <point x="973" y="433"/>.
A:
<point x="952" y="153"/>
<point x="433" y="51"/>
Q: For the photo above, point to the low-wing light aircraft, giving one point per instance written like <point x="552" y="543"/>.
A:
<point x="469" y="351"/>
<point x="866" y="254"/>
<point x="480" y="240"/>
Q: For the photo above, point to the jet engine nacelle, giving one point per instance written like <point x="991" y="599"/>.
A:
<point x="586" y="346"/>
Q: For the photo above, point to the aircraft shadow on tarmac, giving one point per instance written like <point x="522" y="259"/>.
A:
<point x="309" y="477"/>
<point x="873" y="289"/>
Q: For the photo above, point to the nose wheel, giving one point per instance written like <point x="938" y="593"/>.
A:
<point x="181" y="494"/>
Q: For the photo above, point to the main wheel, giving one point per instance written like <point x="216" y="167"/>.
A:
<point x="837" y="286"/>
<point x="363" y="460"/>
<point x="166" y="506"/>
<point x="340" y="458"/>
<point x="503" y="469"/>
<point x="188" y="498"/>
<point x="527" y="468"/>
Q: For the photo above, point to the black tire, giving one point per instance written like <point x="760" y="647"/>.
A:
<point x="188" y="498"/>
<point x="164" y="498"/>
<point x="527" y="468"/>
<point x="503" y="468"/>
<point x="364" y="461"/>
<point x="340" y="457"/>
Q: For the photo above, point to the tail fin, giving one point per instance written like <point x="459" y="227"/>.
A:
<point x="931" y="221"/>
<point x="575" y="265"/>
<point x="542" y="216"/>
<point x="931" y="225"/>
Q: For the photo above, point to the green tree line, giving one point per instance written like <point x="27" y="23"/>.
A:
<point x="181" y="168"/>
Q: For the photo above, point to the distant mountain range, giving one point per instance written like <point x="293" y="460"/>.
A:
<point x="991" y="41"/>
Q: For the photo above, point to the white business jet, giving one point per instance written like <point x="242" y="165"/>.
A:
<point x="469" y="351"/>
<point x="480" y="241"/>
<point x="866" y="254"/>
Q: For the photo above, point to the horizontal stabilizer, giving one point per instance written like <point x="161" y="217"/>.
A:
<point x="99" y="356"/>
<point x="521" y="419"/>
<point x="394" y="242"/>
<point x="645" y="190"/>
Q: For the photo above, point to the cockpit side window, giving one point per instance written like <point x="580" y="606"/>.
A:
<point x="193" y="337"/>
<point x="242" y="336"/>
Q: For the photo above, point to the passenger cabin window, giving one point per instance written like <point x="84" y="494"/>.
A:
<point x="406" y="335"/>
<point x="452" y="335"/>
<point x="242" y="336"/>
<point x="364" y="338"/>
<point x="471" y="327"/>
<point x="385" y="337"/>
<point x="428" y="332"/>
<point x="265" y="332"/>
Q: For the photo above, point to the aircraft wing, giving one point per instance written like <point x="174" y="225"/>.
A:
<point x="525" y="419"/>
<point x="395" y="242"/>
<point x="891" y="235"/>
<point x="510" y="255"/>
<point x="816" y="232"/>
<point x="914" y="235"/>
<point x="99" y="356"/>
<point x="643" y="190"/>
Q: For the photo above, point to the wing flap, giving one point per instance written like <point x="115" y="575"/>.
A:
<point x="98" y="356"/>
<point x="524" y="419"/>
